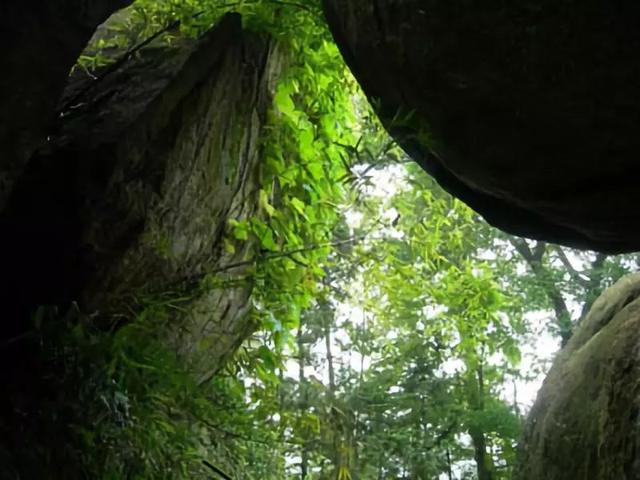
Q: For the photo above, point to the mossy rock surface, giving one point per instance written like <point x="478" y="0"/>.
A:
<point x="585" y="422"/>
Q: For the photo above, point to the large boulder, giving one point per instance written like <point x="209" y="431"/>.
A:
<point x="585" y="422"/>
<point x="131" y="196"/>
<point x="125" y="210"/>
<point x="527" y="111"/>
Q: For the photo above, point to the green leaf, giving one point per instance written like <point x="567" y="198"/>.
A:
<point x="284" y="102"/>
<point x="240" y="229"/>
<point x="264" y="203"/>
<point x="316" y="170"/>
<point x="298" y="205"/>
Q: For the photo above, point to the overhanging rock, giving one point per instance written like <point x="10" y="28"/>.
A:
<point x="527" y="111"/>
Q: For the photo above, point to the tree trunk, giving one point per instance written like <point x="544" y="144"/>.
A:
<point x="329" y="356"/>
<point x="336" y="416"/>
<point x="483" y="466"/>
<point x="534" y="260"/>
<point x="356" y="423"/>
<point x="480" y="456"/>
<point x="302" y="385"/>
<point x="336" y="420"/>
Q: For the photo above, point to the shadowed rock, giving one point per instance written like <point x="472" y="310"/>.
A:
<point x="132" y="194"/>
<point x="40" y="40"/>
<point x="127" y="205"/>
<point x="527" y="111"/>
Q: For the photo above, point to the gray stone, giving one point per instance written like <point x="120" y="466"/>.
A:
<point x="585" y="423"/>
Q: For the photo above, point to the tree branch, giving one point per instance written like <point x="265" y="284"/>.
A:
<point x="287" y="253"/>
<point x="539" y="251"/>
<point x="593" y="287"/>
<point x="534" y="260"/>
<point x="522" y="247"/>
<point x="578" y="276"/>
<point x="216" y="470"/>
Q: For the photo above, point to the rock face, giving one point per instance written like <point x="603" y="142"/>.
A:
<point x="39" y="43"/>
<point x="126" y="204"/>
<point x="527" y="111"/>
<point x="585" y="422"/>
<point x="132" y="194"/>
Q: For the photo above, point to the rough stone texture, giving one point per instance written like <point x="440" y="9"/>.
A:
<point x="585" y="422"/>
<point x="132" y="194"/>
<point x="528" y="111"/>
<point x="126" y="205"/>
<point x="40" y="40"/>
